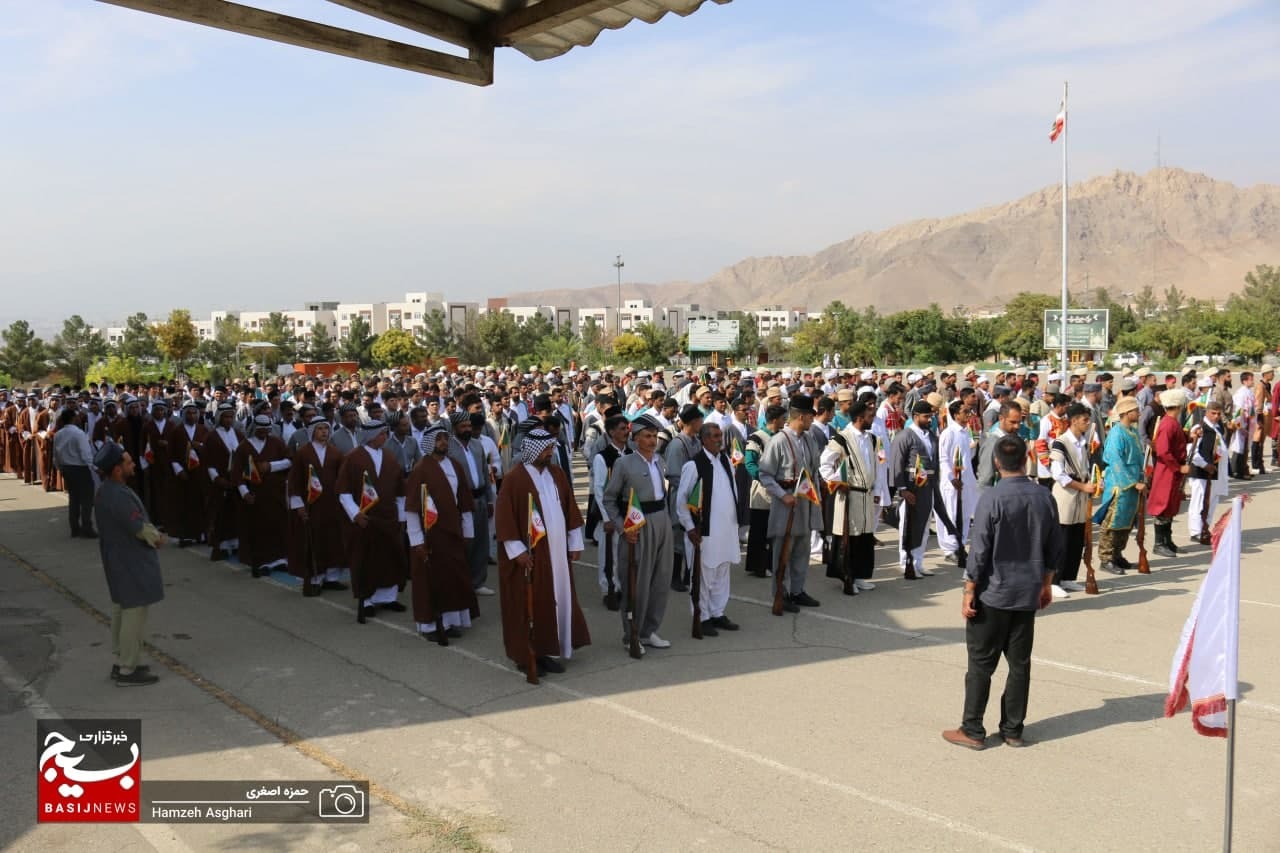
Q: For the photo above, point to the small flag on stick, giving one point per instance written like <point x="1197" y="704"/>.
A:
<point x="429" y="512"/>
<point x="314" y="487"/>
<point x="634" y="519"/>
<point x="368" y="494"/>
<point x="537" y="527"/>
<point x="805" y="488"/>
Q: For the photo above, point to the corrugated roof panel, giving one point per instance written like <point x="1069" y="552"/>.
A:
<point x="585" y="30"/>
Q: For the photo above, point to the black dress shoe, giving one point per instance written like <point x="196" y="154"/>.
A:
<point x="369" y="611"/>
<point x="541" y="671"/>
<point x="611" y="601"/>
<point x="186" y="543"/>
<point x="790" y="606"/>
<point x="547" y="664"/>
<point x="394" y="607"/>
<point x="709" y="628"/>
<point x="115" y="669"/>
<point x="805" y="600"/>
<point x="335" y="586"/>
<point x="89" y="534"/>
<point x="217" y="554"/>
<point x="1163" y="551"/>
<point x="724" y="623"/>
<point x="310" y="591"/>
<point x="258" y="572"/>
<point x="434" y="636"/>
<point x="454" y="632"/>
<point x="679" y="587"/>
<point x="1120" y="561"/>
<point x="850" y="589"/>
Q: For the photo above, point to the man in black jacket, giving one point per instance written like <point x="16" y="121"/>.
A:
<point x="1017" y="545"/>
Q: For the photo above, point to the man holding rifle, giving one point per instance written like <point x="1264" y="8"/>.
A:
<point x="1072" y="485"/>
<point x="1124" y="482"/>
<point x="851" y="466"/>
<point x="913" y="465"/>
<point x="616" y="429"/>
<point x="707" y="482"/>
<point x="789" y="459"/>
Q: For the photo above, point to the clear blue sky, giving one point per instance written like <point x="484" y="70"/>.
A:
<point x="149" y="164"/>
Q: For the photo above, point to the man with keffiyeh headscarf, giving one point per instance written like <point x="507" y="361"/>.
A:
<point x="559" y="627"/>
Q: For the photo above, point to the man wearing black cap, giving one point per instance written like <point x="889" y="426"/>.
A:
<point x="788" y="460"/>
<point x="913" y="465"/>
<point x="258" y="472"/>
<point x="684" y="446"/>
<point x="127" y="543"/>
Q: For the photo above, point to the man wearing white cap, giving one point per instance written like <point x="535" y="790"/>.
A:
<point x="1208" y="474"/>
<point x="1169" y="454"/>
<point x="1244" y="419"/>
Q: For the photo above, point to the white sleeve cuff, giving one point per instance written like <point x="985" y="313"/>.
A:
<point x="400" y="508"/>
<point x="349" y="505"/>
<point x="414" y="527"/>
<point x="514" y="548"/>
<point x="244" y="490"/>
<point x="295" y="502"/>
<point x="177" y="469"/>
<point x="213" y="474"/>
<point x="468" y="525"/>
<point x="280" y="465"/>
<point x="575" y="540"/>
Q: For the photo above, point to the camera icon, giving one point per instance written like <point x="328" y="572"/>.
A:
<point x="342" y="802"/>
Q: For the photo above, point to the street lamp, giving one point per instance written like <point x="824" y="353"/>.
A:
<point x="618" y="265"/>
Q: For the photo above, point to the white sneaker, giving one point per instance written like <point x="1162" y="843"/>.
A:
<point x="484" y="590"/>
<point x="865" y="586"/>
<point x="655" y="641"/>
<point x="923" y="571"/>
<point x="1059" y="592"/>
<point x="1072" y="586"/>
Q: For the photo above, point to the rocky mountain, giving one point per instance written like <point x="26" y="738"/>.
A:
<point x="1167" y="227"/>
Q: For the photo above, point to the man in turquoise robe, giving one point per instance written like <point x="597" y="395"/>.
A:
<point x="1121" y="487"/>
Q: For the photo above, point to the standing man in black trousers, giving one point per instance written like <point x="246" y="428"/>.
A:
<point x="1017" y="546"/>
<point x="72" y="455"/>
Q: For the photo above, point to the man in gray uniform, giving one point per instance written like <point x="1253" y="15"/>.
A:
<point x="127" y="542"/>
<point x="644" y="472"/>
<point x="913" y="469"/>
<point x="789" y="456"/>
<point x="470" y="456"/>
<point x="346" y="436"/>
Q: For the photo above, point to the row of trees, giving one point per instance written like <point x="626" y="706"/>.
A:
<point x="1166" y="328"/>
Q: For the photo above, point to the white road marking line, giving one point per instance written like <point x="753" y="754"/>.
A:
<point x="159" y="836"/>
<point x="689" y="734"/>
<point x="1259" y="603"/>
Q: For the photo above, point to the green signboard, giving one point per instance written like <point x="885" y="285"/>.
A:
<point x="1086" y="329"/>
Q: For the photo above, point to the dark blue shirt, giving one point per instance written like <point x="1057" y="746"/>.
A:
<point x="1016" y="542"/>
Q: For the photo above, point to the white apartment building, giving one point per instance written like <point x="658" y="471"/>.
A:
<point x="635" y="312"/>
<point x="525" y="313"/>
<point x="605" y="318"/>
<point x="776" y="317"/>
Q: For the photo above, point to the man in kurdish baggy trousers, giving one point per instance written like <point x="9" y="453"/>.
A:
<point x="128" y="543"/>
<point x="1017" y="545"/>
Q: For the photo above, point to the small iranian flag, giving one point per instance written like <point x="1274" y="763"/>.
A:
<point x="922" y="476"/>
<point x="251" y="471"/>
<point x="368" y="494"/>
<point x="634" y="519"/>
<point x="834" y="485"/>
<point x="429" y="512"/>
<point x="193" y="459"/>
<point x="1059" y="124"/>
<point x="736" y="456"/>
<point x="694" y="501"/>
<point x="148" y="455"/>
<point x="537" y="527"/>
<point x="314" y="487"/>
<point x="1096" y="480"/>
<point x="805" y="488"/>
<point x="957" y="464"/>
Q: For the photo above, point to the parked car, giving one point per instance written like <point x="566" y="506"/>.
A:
<point x="1126" y="359"/>
<point x="1197" y="361"/>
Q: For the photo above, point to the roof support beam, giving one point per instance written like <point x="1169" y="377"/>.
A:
<point x="520" y="24"/>
<point x="477" y="69"/>
<point x="421" y="19"/>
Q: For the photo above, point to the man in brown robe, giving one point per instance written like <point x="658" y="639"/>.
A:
<point x="102" y="430"/>
<point x="558" y="624"/>
<point x="188" y="487"/>
<point x="48" y="423"/>
<point x="371" y="530"/>
<point x="127" y="432"/>
<point x="222" y="513"/>
<point x="259" y="472"/>
<point x="9" y="448"/>
<point x="28" y="426"/>
<point x="443" y="598"/>
<point x="156" y="458"/>
<point x="316" y="554"/>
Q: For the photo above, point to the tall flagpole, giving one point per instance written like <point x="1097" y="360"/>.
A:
<point x="1066" y="133"/>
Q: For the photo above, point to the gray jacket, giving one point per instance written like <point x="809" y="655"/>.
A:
<point x="131" y="565"/>
<point x="630" y="472"/>
<point x="407" y="453"/>
<point x="785" y="456"/>
<point x="459" y="453"/>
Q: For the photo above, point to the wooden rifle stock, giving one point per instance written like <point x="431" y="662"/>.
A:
<point x="611" y="597"/>
<point x="962" y="554"/>
<point x="783" y="557"/>
<point x="1144" y="566"/>
<point x="844" y="548"/>
<point x="695" y="591"/>
<point x="633" y="645"/>
<point x="1090" y="581"/>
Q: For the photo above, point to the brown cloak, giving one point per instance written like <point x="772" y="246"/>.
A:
<point x="442" y="575"/>
<point x="321" y="534"/>
<point x="188" y="492"/>
<point x="222" y="511"/>
<point x="511" y="517"/>
<point x="263" y="523"/>
<point x="374" y="553"/>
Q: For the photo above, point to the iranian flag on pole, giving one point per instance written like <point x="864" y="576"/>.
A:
<point x="634" y="518"/>
<point x="314" y="487"/>
<point x="1205" y="665"/>
<point x="1059" y="124"/>
<point x="805" y="488"/>
<point x="368" y="494"/>
<point x="537" y="527"/>
<point x="193" y="459"/>
<point x="429" y="512"/>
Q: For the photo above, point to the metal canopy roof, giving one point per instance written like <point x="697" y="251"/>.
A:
<point x="540" y="29"/>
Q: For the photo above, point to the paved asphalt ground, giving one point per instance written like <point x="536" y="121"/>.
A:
<point x="818" y="731"/>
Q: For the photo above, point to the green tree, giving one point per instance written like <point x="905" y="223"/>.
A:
<point x="1173" y="301"/>
<point x="630" y="347"/>
<point x="592" y="348"/>
<point x="1144" y="305"/>
<point x="277" y="329"/>
<point x="496" y="337"/>
<point x="555" y="350"/>
<point x="23" y="354"/>
<point x="748" y="334"/>
<point x="77" y="348"/>
<point x="436" y="337"/>
<point x="358" y="345"/>
<point x="1023" y="335"/>
<point x="115" y="370"/>
<point x="660" y="342"/>
<point x="139" y="339"/>
<point x="532" y="333"/>
<point x="219" y="351"/>
<point x="177" y="337"/>
<point x="396" y="348"/>
<point x="319" y="345"/>
<point x="1251" y="348"/>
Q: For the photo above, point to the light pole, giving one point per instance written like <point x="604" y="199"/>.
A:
<point x="618" y="265"/>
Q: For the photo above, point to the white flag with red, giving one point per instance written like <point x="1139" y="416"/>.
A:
<point x="1059" y="124"/>
<point x="1205" y="665"/>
